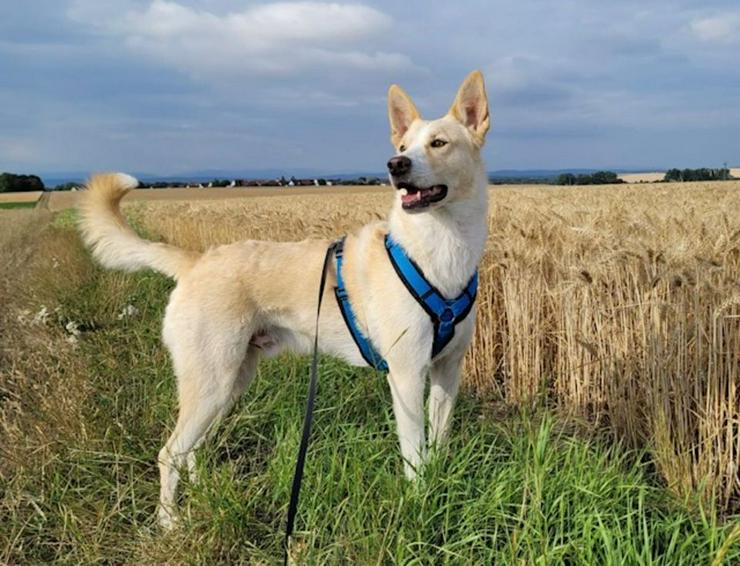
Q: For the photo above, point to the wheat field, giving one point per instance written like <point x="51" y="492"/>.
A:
<point x="620" y="305"/>
<point x="61" y="200"/>
<point x="30" y="196"/>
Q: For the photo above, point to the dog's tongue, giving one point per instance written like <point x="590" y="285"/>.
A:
<point x="411" y="198"/>
<point x="419" y="194"/>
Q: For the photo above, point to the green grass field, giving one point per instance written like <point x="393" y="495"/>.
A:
<point x="14" y="205"/>
<point x="85" y="415"/>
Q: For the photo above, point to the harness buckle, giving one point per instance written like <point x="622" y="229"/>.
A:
<point x="447" y="315"/>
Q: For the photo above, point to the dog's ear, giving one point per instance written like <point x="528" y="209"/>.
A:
<point x="471" y="106"/>
<point x="401" y="112"/>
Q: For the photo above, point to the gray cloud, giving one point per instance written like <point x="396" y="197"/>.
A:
<point x="178" y="85"/>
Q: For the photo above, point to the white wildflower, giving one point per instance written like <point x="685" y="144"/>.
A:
<point x="73" y="328"/>
<point x="129" y="311"/>
<point x="42" y="317"/>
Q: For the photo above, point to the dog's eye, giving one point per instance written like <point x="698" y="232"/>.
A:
<point x="439" y="143"/>
<point x="401" y="148"/>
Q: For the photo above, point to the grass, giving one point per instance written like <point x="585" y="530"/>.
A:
<point x="83" y="419"/>
<point x="14" y="205"/>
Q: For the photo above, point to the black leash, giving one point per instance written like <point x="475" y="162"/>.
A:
<point x="308" y="418"/>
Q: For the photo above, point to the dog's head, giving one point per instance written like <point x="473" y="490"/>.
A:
<point x="436" y="161"/>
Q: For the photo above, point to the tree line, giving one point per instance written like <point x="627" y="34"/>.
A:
<point x="671" y="176"/>
<point x="597" y="178"/>
<point x="11" y="183"/>
<point x="702" y="174"/>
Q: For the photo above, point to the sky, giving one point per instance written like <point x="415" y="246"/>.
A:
<point x="174" y="86"/>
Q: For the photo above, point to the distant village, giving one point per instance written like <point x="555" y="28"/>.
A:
<point x="278" y="182"/>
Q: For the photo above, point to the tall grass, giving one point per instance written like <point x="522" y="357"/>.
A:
<point x="618" y="304"/>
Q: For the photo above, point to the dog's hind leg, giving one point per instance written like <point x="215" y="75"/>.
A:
<point x="247" y="371"/>
<point x="209" y="380"/>
<point x="408" y="406"/>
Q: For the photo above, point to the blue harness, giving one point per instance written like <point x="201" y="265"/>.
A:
<point x="444" y="313"/>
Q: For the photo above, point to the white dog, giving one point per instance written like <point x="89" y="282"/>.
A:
<point x="237" y="302"/>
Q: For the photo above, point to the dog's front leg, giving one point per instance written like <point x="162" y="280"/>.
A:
<point x="408" y="406"/>
<point x="444" y="380"/>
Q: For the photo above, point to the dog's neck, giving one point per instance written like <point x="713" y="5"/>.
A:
<point x="447" y="243"/>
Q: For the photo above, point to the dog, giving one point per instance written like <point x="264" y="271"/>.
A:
<point x="237" y="303"/>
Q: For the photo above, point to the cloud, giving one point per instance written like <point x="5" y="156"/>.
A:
<point x="527" y="80"/>
<point x="279" y="39"/>
<point x="16" y="149"/>
<point x="176" y="85"/>
<point x="718" y="29"/>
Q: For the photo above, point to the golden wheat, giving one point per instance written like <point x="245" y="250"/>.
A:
<point x="29" y="196"/>
<point x="60" y="200"/>
<point x="620" y="304"/>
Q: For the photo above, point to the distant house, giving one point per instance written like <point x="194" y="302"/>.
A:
<point x="283" y="182"/>
<point x="259" y="183"/>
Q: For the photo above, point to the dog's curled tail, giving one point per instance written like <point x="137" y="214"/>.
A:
<point x="113" y="242"/>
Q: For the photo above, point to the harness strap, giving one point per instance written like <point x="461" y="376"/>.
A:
<point x="367" y="350"/>
<point x="444" y="313"/>
<point x="308" y="418"/>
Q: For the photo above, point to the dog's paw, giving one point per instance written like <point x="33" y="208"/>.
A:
<point x="166" y="519"/>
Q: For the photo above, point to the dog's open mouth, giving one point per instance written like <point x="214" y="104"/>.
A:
<point x="413" y="197"/>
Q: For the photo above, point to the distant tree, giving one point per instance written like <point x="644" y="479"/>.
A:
<point x="605" y="178"/>
<point x="597" y="178"/>
<point x="566" y="179"/>
<point x="11" y="183"/>
<point x="701" y="174"/>
<point x="673" y="175"/>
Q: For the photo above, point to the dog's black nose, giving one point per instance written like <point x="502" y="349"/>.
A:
<point x="399" y="165"/>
